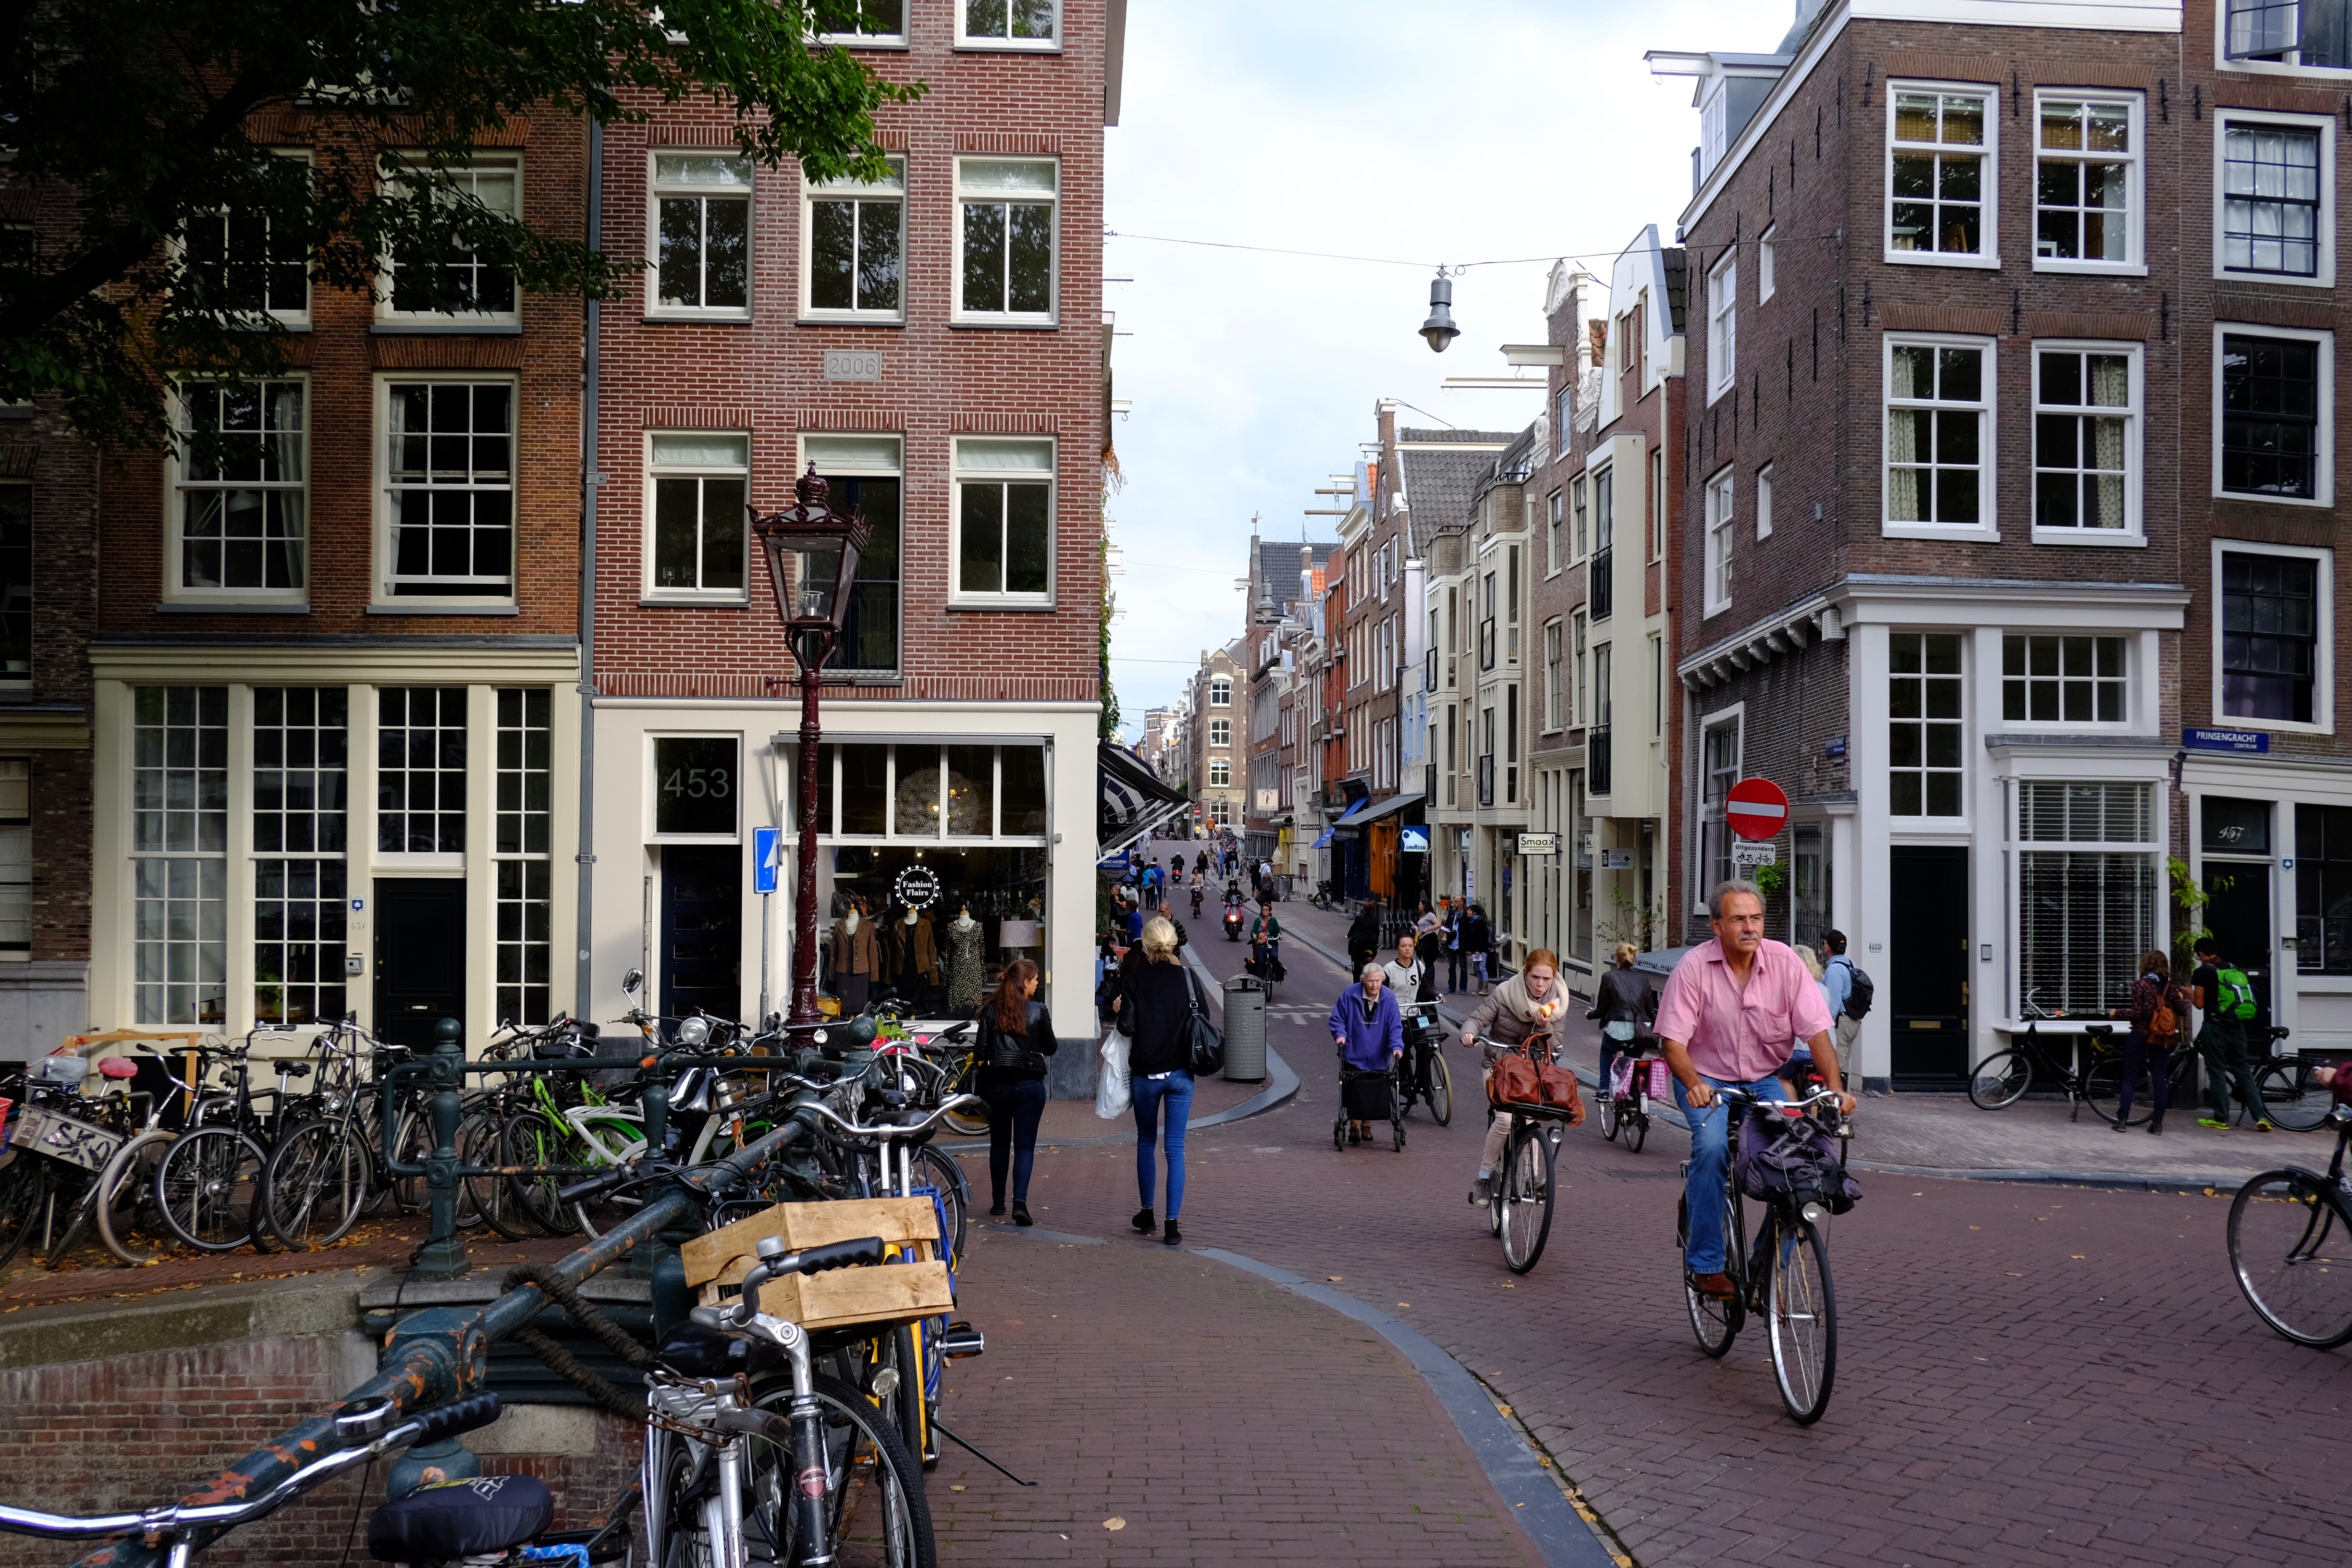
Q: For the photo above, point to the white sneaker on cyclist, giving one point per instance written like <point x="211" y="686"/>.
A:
<point x="1483" y="1191"/>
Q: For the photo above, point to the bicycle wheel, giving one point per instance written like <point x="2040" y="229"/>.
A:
<point x="1637" y="1129"/>
<point x="492" y="1197"/>
<point x="315" y="1184"/>
<point x="1715" y="1323"/>
<point x="2103" y="1086"/>
<point x="875" y="1509"/>
<point x="2291" y="1248"/>
<point x="1999" y="1079"/>
<point x="967" y="1123"/>
<point x="23" y="1195"/>
<point x="127" y="1224"/>
<point x="530" y="1139"/>
<point x="2290" y="1099"/>
<point x="208" y="1188"/>
<point x="1440" y="1088"/>
<point x="934" y="1169"/>
<point x="1609" y="1118"/>
<point x="413" y="1137"/>
<point x="1800" y="1313"/>
<point x="1527" y="1198"/>
<point x="73" y="1213"/>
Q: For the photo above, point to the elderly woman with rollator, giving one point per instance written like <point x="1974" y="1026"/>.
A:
<point x="1368" y="1028"/>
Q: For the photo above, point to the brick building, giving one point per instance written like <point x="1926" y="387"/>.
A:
<point x="332" y="678"/>
<point x="1213" y="750"/>
<point x="932" y="345"/>
<point x="1284" y="582"/>
<point x="1931" y="583"/>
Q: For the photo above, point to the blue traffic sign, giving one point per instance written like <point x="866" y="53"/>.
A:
<point x="767" y="850"/>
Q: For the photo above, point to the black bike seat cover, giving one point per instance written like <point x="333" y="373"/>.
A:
<point x="449" y="1520"/>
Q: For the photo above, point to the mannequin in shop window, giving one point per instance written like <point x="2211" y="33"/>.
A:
<point x="965" y="978"/>
<point x="925" y="948"/>
<point x="856" y="957"/>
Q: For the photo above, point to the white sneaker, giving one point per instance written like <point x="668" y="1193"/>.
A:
<point x="1483" y="1191"/>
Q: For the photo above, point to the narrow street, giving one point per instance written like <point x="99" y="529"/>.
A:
<point x="2027" y="1373"/>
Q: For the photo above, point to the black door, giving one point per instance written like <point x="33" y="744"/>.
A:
<point x="2237" y="912"/>
<point x="702" y="930"/>
<point x="1928" y="966"/>
<point x="420" y="956"/>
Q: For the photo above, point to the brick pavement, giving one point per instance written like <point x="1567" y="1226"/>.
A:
<point x="2028" y="1374"/>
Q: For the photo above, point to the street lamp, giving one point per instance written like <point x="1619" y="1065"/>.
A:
<point x="1439" y="329"/>
<point x="812" y="553"/>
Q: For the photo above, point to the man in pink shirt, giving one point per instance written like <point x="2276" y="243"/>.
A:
<point x="1728" y="1013"/>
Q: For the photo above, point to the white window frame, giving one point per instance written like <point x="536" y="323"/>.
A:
<point x="2324" y="470"/>
<point x="1987" y="526"/>
<point x="380" y="597"/>
<point x="1886" y="709"/>
<point x="1226" y="682"/>
<point x="1767" y="263"/>
<point x="1723" y="325"/>
<point x="2135" y="262"/>
<point x="1220" y="735"/>
<point x="1555" y="532"/>
<point x="176" y="476"/>
<point x="896" y="40"/>
<point x="468" y="322"/>
<point x="862" y="193"/>
<point x="297" y="319"/>
<point x="1051" y="315"/>
<point x="656" y="469"/>
<point x="1555" y="683"/>
<point x="966" y="40"/>
<point x="1722" y="511"/>
<point x="1221" y="772"/>
<point x="2222" y="57"/>
<point x="2134" y="533"/>
<point x="2323" y="692"/>
<point x="2223" y="119"/>
<point x="1988" y="231"/>
<point x="653" y="740"/>
<point x="963" y="448"/>
<point x="1764" y="502"/>
<point x="2131" y="677"/>
<point x="657" y="191"/>
<point x="1708" y="820"/>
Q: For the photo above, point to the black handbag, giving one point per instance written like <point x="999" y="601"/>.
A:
<point x="1205" y="1040"/>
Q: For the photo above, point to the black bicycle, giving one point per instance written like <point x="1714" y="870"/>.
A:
<point x="2291" y="1247"/>
<point x="1785" y="1278"/>
<point x="1422" y="1078"/>
<point x="2002" y="1078"/>
<point x="1625" y="1098"/>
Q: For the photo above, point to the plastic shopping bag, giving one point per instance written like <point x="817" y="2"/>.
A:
<point x="1111" y="1093"/>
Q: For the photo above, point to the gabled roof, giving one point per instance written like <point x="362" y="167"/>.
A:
<point x="1278" y="566"/>
<point x="1440" y="486"/>
<point x="1677" y="262"/>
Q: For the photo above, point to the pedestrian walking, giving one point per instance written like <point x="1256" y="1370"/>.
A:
<point x="1424" y="921"/>
<point x="1838" y="987"/>
<point x="1457" y="961"/>
<point x="1625" y="1006"/>
<point x="1155" y="1014"/>
<point x="1016" y="1036"/>
<point x="1369" y="1030"/>
<point x="2158" y="1008"/>
<point x="1478" y="942"/>
<point x="1183" y="939"/>
<point x="1729" y="1010"/>
<point x="1530" y="1005"/>
<point x="1364" y="936"/>
<point x="2223" y="995"/>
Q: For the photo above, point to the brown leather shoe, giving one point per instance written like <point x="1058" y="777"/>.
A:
<point x="1715" y="1287"/>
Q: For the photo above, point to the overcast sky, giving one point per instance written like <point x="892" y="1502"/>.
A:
<point x="1466" y="131"/>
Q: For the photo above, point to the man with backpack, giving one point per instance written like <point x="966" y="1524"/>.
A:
<point x="2224" y="995"/>
<point x="1848" y="992"/>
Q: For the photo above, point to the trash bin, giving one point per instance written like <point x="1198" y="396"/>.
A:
<point x="1245" y="1029"/>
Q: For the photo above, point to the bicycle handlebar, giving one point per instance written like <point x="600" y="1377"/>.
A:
<point x="884" y="1134"/>
<point x="854" y="1254"/>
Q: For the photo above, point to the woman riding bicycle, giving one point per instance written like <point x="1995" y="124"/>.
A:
<point x="1528" y="1009"/>
<point x="1625" y="1005"/>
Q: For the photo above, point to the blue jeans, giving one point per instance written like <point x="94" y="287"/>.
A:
<point x="1175" y="1093"/>
<point x="1710" y="1152"/>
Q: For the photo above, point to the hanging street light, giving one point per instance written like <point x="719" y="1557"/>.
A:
<point x="1439" y="329"/>
<point x="812" y="553"/>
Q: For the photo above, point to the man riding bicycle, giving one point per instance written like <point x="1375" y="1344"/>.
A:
<point x="1729" y="1010"/>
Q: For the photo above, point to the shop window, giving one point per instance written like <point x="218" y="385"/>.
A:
<point x="2323" y="888"/>
<point x="523" y="854"/>
<point x="301" y="775"/>
<point x="2086" y="859"/>
<point x="179" y="836"/>
<point x="695" y="785"/>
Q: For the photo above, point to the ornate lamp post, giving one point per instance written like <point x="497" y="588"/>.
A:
<point x="812" y="553"/>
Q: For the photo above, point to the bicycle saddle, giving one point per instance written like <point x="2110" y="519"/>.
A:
<point x="294" y="1069"/>
<point x="453" y="1520"/>
<point x="118" y="1068"/>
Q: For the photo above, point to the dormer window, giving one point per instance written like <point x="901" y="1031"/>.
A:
<point x="1714" y="122"/>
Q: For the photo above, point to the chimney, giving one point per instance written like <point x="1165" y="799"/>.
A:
<point x="1386" y="408"/>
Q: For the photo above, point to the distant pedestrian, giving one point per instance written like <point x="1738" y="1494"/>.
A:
<point x="1369" y="1030"/>
<point x="1016" y="1036"/>
<point x="1183" y="939"/>
<point x="1457" y="961"/>
<point x="1837" y="989"/>
<point x="1155" y="1014"/>
<point x="1625" y="1006"/>
<point x="1478" y="941"/>
<point x="1424" y="921"/>
<point x="1364" y="936"/>
<point x="2224" y="995"/>
<point x="2158" y="1007"/>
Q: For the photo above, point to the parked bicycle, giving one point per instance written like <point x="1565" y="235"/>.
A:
<point x="2003" y="1077"/>
<point x="2291" y="1245"/>
<point x="1785" y="1278"/>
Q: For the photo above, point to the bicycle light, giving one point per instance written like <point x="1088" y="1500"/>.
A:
<point x="1814" y="1213"/>
<point x="885" y="1383"/>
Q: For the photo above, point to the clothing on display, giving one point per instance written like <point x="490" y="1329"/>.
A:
<point x="966" y="980"/>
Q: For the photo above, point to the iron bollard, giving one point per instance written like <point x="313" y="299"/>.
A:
<point x="442" y="1255"/>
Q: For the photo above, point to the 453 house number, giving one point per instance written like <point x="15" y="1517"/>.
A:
<point x="695" y="784"/>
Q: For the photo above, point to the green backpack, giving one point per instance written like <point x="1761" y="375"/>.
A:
<point x="2234" y="996"/>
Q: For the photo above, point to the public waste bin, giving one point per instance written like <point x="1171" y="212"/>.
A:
<point x="1245" y="1001"/>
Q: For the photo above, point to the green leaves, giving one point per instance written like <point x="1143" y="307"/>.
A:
<point x="137" y="123"/>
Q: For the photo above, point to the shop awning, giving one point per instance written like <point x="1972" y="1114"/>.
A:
<point x="1394" y="803"/>
<point x="1325" y="842"/>
<point x="1129" y="802"/>
<point x="1354" y="814"/>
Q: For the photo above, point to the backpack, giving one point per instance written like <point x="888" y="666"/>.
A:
<point x="2164" y="1024"/>
<point x="1859" y="990"/>
<point x="2234" y="996"/>
<point x="1794" y="1158"/>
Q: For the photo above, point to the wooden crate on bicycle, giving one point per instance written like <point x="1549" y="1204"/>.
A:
<point x="896" y="1292"/>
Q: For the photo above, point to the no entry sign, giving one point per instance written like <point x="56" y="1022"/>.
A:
<point x="1756" y="808"/>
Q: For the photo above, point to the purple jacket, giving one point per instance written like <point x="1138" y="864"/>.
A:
<point x="1370" y="1042"/>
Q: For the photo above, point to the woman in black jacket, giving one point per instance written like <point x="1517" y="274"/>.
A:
<point x="1364" y="936"/>
<point x="1625" y="1004"/>
<point x="1016" y="1036"/>
<point x="1155" y="1013"/>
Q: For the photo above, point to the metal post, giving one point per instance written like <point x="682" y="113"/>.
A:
<point x="442" y="1255"/>
<point x="810" y="650"/>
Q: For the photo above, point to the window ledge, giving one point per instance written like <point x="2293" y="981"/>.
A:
<point x="2248" y="498"/>
<point x="226" y="607"/>
<point x="1974" y="533"/>
<point x="845" y="319"/>
<point x="1011" y="606"/>
<point x="694" y="600"/>
<point x="2092" y="537"/>
<point x="445" y="329"/>
<point x="2278" y="279"/>
<point x="444" y="609"/>
<point x="1008" y="47"/>
<point x="987" y="324"/>
<point x="858" y="41"/>
<point x="2275" y="726"/>
<point x="2120" y="737"/>
<point x="672" y="318"/>
<point x="2093" y="268"/>
<point x="1941" y="259"/>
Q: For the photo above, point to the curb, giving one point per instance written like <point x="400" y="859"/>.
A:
<point x="1542" y="1510"/>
